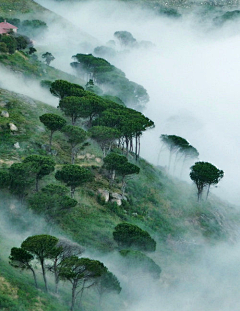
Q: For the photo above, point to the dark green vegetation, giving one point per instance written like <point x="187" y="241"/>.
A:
<point x="165" y="208"/>
<point x="103" y="73"/>
<point x="205" y="174"/>
<point x="156" y="213"/>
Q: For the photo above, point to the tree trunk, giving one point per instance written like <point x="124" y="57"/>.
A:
<point x="44" y="274"/>
<point x="123" y="185"/>
<point x="139" y="145"/>
<point x="72" y="155"/>
<point x="72" y="191"/>
<point x="50" y="140"/>
<point x="34" y="276"/>
<point x="56" y="276"/>
<point x="73" y="296"/>
<point x="37" y="182"/>
<point x="208" y="191"/>
<point x="136" y="147"/>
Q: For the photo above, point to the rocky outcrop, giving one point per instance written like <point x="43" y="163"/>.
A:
<point x="111" y="196"/>
<point x="13" y="127"/>
<point x="5" y="114"/>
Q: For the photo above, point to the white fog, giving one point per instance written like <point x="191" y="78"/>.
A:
<point x="191" y="75"/>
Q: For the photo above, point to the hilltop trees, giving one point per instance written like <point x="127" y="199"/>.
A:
<point x="205" y="174"/>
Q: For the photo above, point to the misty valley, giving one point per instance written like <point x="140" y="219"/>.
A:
<point x="119" y="149"/>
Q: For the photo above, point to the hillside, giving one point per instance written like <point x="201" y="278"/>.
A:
<point x="167" y="208"/>
<point x="176" y="250"/>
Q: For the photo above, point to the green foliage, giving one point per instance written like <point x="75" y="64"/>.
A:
<point x="107" y="283"/>
<point x="75" y="136"/>
<point x="48" y="57"/>
<point x="21" y="177"/>
<point x="10" y="42"/>
<point x="52" y="122"/>
<point x="74" y="176"/>
<point x="20" y="258"/>
<point x="125" y="38"/>
<point x="104" y="136"/>
<point x="135" y="261"/>
<point x="3" y="47"/>
<point x="43" y="247"/>
<point x="46" y="84"/>
<point x="4" y="179"/>
<point x="52" y="201"/>
<point x="79" y="272"/>
<point x="205" y="174"/>
<point x="41" y="165"/>
<point x="62" y="88"/>
<point x="33" y="27"/>
<point x="106" y="74"/>
<point x="22" y="42"/>
<point x="131" y="236"/>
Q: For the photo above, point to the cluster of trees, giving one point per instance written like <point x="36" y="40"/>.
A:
<point x="20" y="177"/>
<point x="29" y="28"/>
<point x="179" y="147"/>
<point x="118" y="164"/>
<point x="203" y="174"/>
<point x="109" y="121"/>
<point x="107" y="75"/>
<point x="9" y="43"/>
<point x="63" y="259"/>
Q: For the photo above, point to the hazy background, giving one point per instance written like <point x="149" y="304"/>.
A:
<point x="192" y="76"/>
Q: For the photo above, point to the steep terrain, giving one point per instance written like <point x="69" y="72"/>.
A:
<point x="163" y="205"/>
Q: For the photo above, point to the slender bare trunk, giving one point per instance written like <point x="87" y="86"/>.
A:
<point x="44" y="275"/>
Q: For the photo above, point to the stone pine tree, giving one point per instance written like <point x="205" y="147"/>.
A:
<point x="62" y="88"/>
<point x="53" y="123"/>
<point x="73" y="176"/>
<point x="82" y="273"/>
<point x="131" y="236"/>
<point x="205" y="174"/>
<point x="66" y="249"/>
<point x="42" y="166"/>
<point x="75" y="136"/>
<point x="48" y="57"/>
<point x="107" y="283"/>
<point x="42" y="247"/>
<point x="105" y="136"/>
<point x="20" y="258"/>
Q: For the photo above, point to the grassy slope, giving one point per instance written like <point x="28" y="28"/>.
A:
<point x="166" y="207"/>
